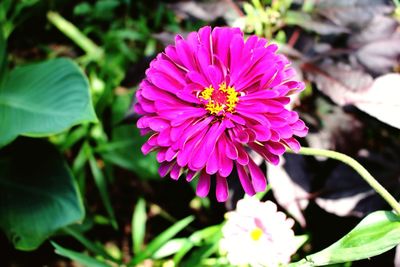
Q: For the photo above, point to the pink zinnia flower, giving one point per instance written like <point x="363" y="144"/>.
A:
<point x="212" y="97"/>
<point x="257" y="234"/>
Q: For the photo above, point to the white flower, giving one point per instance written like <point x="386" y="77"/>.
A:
<point x="257" y="234"/>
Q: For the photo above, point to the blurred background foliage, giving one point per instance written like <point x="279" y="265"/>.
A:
<point x="86" y="185"/>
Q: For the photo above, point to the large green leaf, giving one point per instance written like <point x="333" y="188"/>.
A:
<point x="375" y="234"/>
<point x="3" y="49"/>
<point x="43" y="99"/>
<point x="38" y="194"/>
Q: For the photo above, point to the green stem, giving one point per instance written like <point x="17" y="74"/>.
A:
<point x="357" y="167"/>
<point x="72" y="32"/>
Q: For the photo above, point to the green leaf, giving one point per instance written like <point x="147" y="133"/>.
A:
<point x="171" y="247"/>
<point x="208" y="240"/>
<point x="38" y="194"/>
<point x="124" y="151"/>
<point x="139" y="225"/>
<point x="79" y="257"/>
<point x="204" y="237"/>
<point x="92" y="246"/>
<point x="300" y="240"/>
<point x="374" y="235"/>
<point x="43" y="99"/>
<point x="200" y="254"/>
<point x="3" y="52"/>
<point x="101" y="183"/>
<point x="160" y="240"/>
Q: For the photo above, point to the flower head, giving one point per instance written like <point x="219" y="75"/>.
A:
<point x="257" y="234"/>
<point x="209" y="99"/>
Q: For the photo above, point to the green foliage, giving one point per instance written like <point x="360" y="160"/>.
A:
<point x="264" y="19"/>
<point x="43" y="99"/>
<point x="11" y="14"/>
<point x="79" y="257"/>
<point x="124" y="151"/>
<point x="92" y="50"/>
<point x="160" y="240"/>
<point x="139" y="226"/>
<point x="101" y="184"/>
<point x="374" y="235"/>
<point x="38" y="194"/>
<point x="94" y="247"/>
<point x="3" y="53"/>
<point x="110" y="40"/>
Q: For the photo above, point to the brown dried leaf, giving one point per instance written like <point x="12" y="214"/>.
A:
<point x="338" y="81"/>
<point x="291" y="185"/>
<point x="382" y="99"/>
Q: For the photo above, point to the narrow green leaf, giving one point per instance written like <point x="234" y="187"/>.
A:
<point x="101" y="184"/>
<point x="182" y="252"/>
<point x="374" y="235"/>
<point x="201" y="237"/>
<point x="79" y="257"/>
<point x="171" y="247"/>
<point x="139" y="225"/>
<point x="80" y="159"/>
<point x="202" y="253"/>
<point x="205" y="235"/>
<point x="74" y="136"/>
<point x="93" y="247"/>
<point x="301" y="240"/>
<point x="43" y="99"/>
<point x="38" y="194"/>
<point x="160" y="240"/>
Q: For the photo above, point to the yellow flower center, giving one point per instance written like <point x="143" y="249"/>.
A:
<point x="219" y="101"/>
<point x="256" y="234"/>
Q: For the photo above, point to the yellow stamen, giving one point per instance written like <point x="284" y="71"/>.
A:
<point x="207" y="92"/>
<point x="256" y="234"/>
<point x="221" y="101"/>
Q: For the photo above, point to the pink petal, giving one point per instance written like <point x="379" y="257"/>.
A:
<point x="225" y="163"/>
<point x="221" y="189"/>
<point x="203" y="151"/>
<point x="293" y="144"/>
<point x="175" y="172"/>
<point x="170" y="154"/>
<point x="165" y="168"/>
<point x="243" y="157"/>
<point x="203" y="185"/>
<point x="164" y="82"/>
<point x="212" y="165"/>
<point x="190" y="175"/>
<point x="157" y="124"/>
<point x="275" y="148"/>
<point x="185" y="53"/>
<point x="257" y="177"/>
<point x="161" y="155"/>
<point x="245" y="180"/>
<point x="147" y="148"/>
<point x="230" y="149"/>
<point x="183" y="156"/>
<point x="235" y="51"/>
